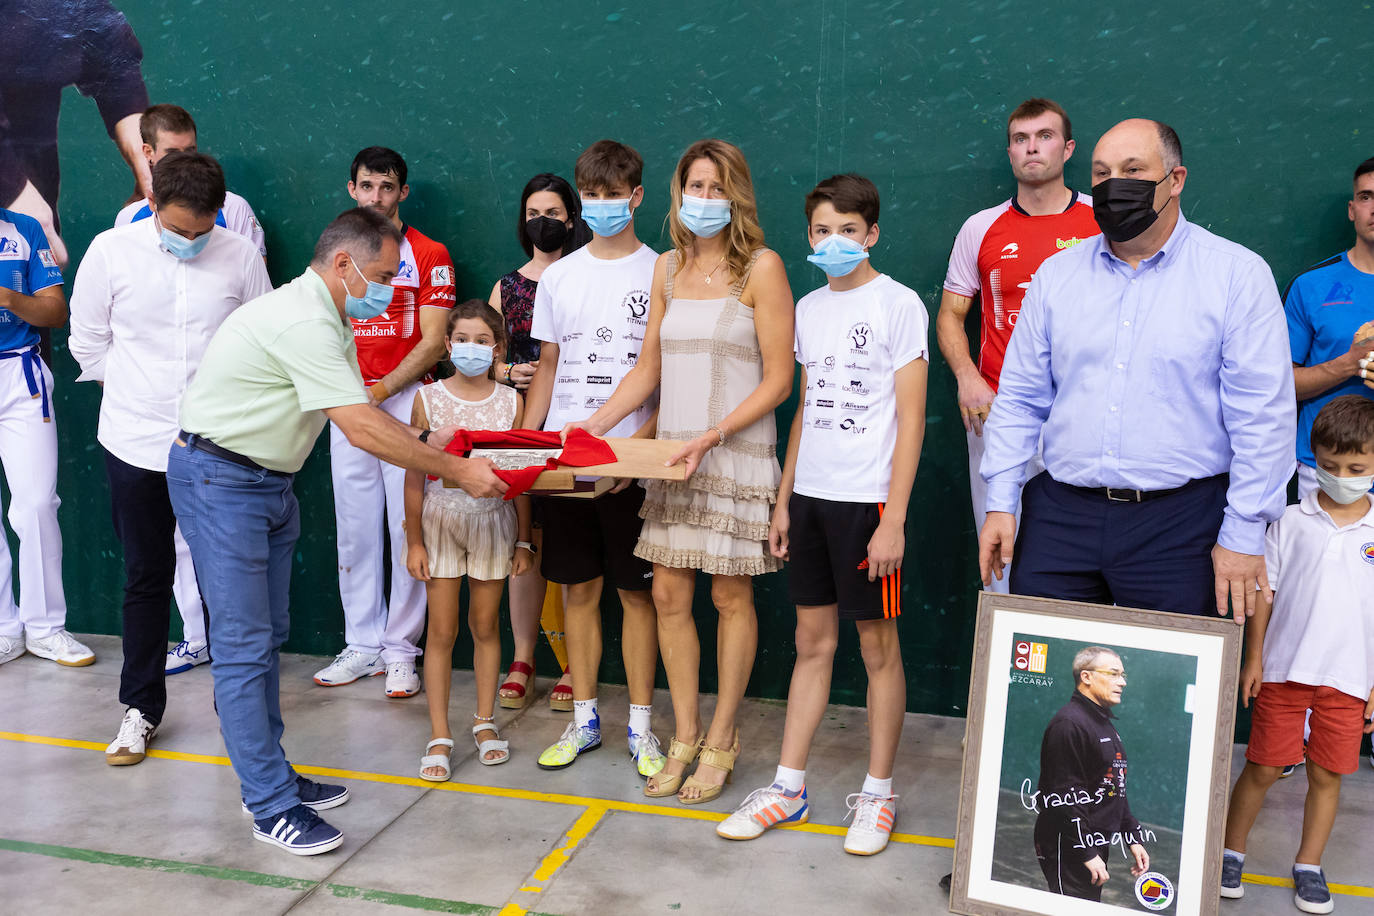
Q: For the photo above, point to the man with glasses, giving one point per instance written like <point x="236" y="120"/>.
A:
<point x="1081" y="797"/>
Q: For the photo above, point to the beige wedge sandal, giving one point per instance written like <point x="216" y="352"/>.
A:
<point x="668" y="784"/>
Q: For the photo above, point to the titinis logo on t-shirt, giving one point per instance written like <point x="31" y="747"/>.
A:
<point x="636" y="302"/>
<point x="859" y="337"/>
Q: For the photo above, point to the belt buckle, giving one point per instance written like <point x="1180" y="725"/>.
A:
<point x="1133" y="497"/>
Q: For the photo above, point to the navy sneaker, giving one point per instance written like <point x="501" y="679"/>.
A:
<point x="317" y="795"/>
<point x="1232" y="867"/>
<point x="1312" y="895"/>
<point x="1290" y="769"/>
<point x="299" y="830"/>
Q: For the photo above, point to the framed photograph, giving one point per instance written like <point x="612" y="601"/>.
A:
<point x="1098" y="760"/>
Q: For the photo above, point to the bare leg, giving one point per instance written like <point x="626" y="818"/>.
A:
<point x="582" y="618"/>
<point x="886" y="693"/>
<point x="443" y="597"/>
<point x="1246" y="800"/>
<point x="1319" y="813"/>
<point x="818" y="633"/>
<point x="526" y="606"/>
<point x="639" y="645"/>
<point x="484" y="609"/>
<point x="677" y="639"/>
<point x="737" y="637"/>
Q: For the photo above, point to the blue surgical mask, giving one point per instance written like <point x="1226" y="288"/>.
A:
<point x="471" y="359"/>
<point x="607" y="217"/>
<point x="372" y="303"/>
<point x="705" y="217"/>
<point x="838" y="256"/>
<point x="181" y="247"/>
<point x="1344" y="490"/>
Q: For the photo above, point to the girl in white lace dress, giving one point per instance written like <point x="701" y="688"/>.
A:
<point x="450" y="534"/>
<point x="719" y="341"/>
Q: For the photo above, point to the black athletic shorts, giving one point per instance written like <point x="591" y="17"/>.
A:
<point x="828" y="553"/>
<point x="587" y="538"/>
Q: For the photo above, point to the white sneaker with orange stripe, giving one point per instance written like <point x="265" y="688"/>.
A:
<point x="874" y="817"/>
<point x="765" y="808"/>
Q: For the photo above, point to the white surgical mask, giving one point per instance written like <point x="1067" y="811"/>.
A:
<point x="1344" y="490"/>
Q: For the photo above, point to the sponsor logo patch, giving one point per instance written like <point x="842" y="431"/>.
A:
<point x="47" y="258"/>
<point x="441" y="276"/>
<point x="1367" y="551"/>
<point x="1061" y="244"/>
<point x="1154" y="891"/>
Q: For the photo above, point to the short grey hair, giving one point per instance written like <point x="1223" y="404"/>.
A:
<point x="358" y="231"/>
<point x="1170" y="147"/>
<point x="1087" y="658"/>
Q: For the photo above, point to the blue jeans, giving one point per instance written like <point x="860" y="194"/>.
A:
<point x="242" y="526"/>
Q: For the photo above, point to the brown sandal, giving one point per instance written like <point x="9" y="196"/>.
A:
<point x="712" y="757"/>
<point x="668" y="784"/>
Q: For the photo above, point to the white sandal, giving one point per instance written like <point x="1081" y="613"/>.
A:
<point x="437" y="760"/>
<point x="491" y="744"/>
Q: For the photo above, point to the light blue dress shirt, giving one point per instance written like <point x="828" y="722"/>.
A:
<point x="1148" y="378"/>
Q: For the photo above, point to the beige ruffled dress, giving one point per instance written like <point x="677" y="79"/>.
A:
<point x="716" y="521"/>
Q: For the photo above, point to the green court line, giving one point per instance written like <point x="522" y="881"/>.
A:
<point x="259" y="879"/>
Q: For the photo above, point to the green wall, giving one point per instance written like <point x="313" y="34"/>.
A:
<point x="1266" y="96"/>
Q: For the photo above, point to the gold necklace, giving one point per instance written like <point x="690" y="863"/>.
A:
<point x="707" y="276"/>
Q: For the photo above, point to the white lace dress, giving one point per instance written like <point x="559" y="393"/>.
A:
<point x="464" y="535"/>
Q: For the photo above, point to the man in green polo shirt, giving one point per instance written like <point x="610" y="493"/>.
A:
<point x="276" y="370"/>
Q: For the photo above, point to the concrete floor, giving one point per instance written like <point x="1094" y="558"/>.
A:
<point x="168" y="835"/>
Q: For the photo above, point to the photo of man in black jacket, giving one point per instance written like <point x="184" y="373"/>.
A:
<point x="1081" y="805"/>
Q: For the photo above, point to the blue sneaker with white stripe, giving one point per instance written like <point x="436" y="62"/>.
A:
<point x="299" y="830"/>
<point x="316" y="795"/>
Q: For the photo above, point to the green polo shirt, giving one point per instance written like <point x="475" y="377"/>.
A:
<point x="270" y="372"/>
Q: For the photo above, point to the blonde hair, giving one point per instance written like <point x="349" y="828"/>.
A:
<point x="744" y="235"/>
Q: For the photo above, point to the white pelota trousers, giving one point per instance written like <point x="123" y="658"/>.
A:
<point x="369" y="504"/>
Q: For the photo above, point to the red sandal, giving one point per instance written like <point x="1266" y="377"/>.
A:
<point x="561" y="697"/>
<point x="519" y="691"/>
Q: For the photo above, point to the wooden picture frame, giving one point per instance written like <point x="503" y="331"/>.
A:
<point x="1175" y="720"/>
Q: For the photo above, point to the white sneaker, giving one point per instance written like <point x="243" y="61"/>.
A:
<point x="130" y="746"/>
<point x="763" y="809"/>
<point x="11" y="647"/>
<point x="401" y="680"/>
<point x="348" y="667"/>
<point x="61" y="647"/>
<point x="186" y="656"/>
<point x="874" y="817"/>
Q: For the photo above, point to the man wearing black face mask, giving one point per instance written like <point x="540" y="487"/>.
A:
<point x="1154" y="361"/>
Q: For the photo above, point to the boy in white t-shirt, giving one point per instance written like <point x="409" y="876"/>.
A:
<point x="1312" y="648"/>
<point x="841" y="512"/>
<point x="590" y="311"/>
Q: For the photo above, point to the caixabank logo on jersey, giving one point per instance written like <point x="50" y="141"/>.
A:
<point x="636" y="304"/>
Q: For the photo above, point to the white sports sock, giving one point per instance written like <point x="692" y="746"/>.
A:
<point x="1232" y="854"/>
<point x="875" y="786"/>
<point x="1298" y="866"/>
<point x="584" y="711"/>
<point x="640" y="717"/>
<point x="790" y="779"/>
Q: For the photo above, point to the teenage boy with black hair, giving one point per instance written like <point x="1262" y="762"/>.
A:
<point x="590" y="312"/>
<point x="841" y="512"/>
<point x="1312" y="648"/>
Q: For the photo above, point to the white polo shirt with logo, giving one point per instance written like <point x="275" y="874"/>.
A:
<point x="851" y="344"/>
<point x="1321" y="631"/>
<point x="596" y="310"/>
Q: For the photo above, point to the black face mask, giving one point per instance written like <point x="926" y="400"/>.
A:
<point x="546" y="233"/>
<point x="1124" y="207"/>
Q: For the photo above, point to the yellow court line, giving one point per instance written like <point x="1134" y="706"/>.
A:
<point x="576" y="834"/>
<point x="556" y="798"/>
<point x="1350" y="890"/>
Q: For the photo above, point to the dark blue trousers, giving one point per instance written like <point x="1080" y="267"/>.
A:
<point x="1155" y="554"/>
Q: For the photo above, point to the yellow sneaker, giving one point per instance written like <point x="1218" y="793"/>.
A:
<point x="574" y="741"/>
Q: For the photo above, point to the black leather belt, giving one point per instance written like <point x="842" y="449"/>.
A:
<point x="1123" y="495"/>
<point x="210" y="448"/>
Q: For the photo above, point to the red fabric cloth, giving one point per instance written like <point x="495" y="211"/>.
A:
<point x="581" y="450"/>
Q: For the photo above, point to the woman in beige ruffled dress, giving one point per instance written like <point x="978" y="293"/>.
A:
<point x="720" y="343"/>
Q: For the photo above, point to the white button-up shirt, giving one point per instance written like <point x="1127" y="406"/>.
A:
<point x="140" y="322"/>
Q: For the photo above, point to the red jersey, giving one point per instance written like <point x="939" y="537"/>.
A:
<point x="995" y="255"/>
<point x="424" y="280"/>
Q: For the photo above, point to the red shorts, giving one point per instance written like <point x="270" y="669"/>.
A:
<point x="1276" y="725"/>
